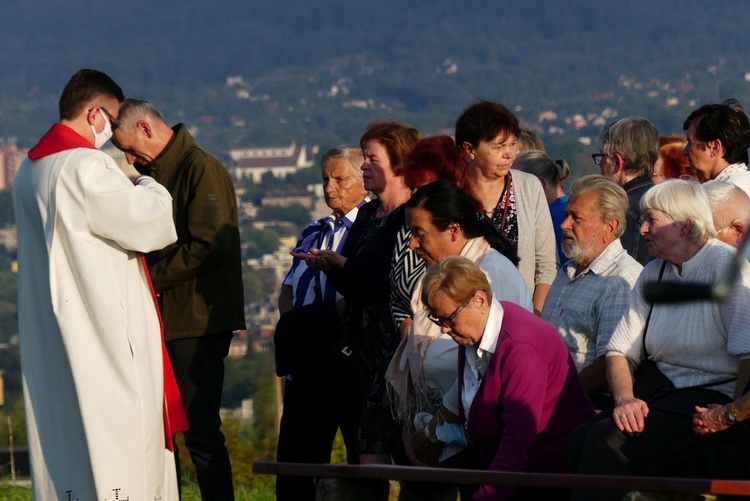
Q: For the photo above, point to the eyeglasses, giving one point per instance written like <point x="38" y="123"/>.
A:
<point x="729" y="226"/>
<point x="598" y="158"/>
<point x="113" y="123"/>
<point x="447" y="321"/>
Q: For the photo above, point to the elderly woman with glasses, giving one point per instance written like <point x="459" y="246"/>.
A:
<point x="702" y="348"/>
<point x="518" y="393"/>
<point x="444" y="222"/>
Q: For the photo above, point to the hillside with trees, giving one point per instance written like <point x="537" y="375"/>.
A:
<point x="320" y="72"/>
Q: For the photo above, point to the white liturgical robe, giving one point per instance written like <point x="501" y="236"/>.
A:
<point x="91" y="347"/>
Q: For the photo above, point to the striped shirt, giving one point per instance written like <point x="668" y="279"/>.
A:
<point x="328" y="233"/>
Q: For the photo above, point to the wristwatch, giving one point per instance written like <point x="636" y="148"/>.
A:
<point x="430" y="437"/>
<point x="730" y="416"/>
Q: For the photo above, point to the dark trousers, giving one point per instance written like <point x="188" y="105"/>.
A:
<point x="198" y="365"/>
<point x="667" y="447"/>
<point x="316" y="405"/>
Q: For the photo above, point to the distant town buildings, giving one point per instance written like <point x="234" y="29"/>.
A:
<point x="10" y="160"/>
<point x="288" y="198"/>
<point x="280" y="161"/>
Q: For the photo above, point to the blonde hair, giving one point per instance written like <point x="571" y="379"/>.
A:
<point x="457" y="277"/>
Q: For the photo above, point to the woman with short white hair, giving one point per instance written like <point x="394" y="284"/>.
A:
<point x="700" y="347"/>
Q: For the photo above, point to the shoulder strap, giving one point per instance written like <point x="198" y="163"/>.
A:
<point x="648" y="318"/>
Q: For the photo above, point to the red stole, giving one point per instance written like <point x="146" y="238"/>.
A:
<point x="175" y="419"/>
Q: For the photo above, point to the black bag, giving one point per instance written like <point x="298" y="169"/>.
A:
<point x="649" y="382"/>
<point x="309" y="338"/>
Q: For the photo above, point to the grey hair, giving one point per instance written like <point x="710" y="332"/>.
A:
<point x="351" y="153"/>
<point x="538" y="163"/>
<point x="682" y="200"/>
<point x="612" y="200"/>
<point x="636" y="140"/>
<point x="728" y="203"/>
<point x="133" y="110"/>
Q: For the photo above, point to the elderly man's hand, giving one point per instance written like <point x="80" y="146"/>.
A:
<point x="321" y="259"/>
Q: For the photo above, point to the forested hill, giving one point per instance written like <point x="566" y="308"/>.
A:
<point x="420" y="60"/>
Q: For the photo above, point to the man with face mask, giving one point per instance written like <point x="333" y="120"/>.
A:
<point x="99" y="393"/>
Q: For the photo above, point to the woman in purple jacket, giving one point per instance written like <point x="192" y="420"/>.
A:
<point x="518" y="393"/>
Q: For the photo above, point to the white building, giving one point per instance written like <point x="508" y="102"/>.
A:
<point x="280" y="161"/>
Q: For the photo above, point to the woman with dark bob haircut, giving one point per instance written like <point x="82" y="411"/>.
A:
<point x="487" y="134"/>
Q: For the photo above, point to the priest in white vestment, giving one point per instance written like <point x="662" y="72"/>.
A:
<point x="91" y="346"/>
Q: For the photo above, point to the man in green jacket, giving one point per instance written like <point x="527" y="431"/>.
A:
<point x="198" y="278"/>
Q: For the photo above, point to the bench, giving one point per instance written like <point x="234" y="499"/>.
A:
<point x="695" y="486"/>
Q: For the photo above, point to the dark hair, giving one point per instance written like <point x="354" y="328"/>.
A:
<point x="396" y="137"/>
<point x="447" y="203"/>
<point x="484" y="121"/>
<point x="83" y="87"/>
<point x="434" y="157"/>
<point x="726" y="122"/>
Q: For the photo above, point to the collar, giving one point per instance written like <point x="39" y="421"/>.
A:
<point x="491" y="333"/>
<point x="600" y="264"/>
<point x="58" y="138"/>
<point x="347" y="220"/>
<point x="162" y="169"/>
<point x="731" y="170"/>
<point x="638" y="182"/>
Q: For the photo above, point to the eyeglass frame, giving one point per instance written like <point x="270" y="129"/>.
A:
<point x="598" y="157"/>
<point x="113" y="123"/>
<point x="450" y="319"/>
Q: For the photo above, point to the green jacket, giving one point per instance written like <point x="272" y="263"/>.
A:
<point x="199" y="277"/>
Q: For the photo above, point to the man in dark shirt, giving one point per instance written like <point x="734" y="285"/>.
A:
<point x="198" y="278"/>
<point x="628" y="150"/>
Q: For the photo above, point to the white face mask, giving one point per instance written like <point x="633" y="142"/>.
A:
<point x="100" y="138"/>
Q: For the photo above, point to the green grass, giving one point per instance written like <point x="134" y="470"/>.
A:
<point x="190" y="492"/>
<point x="9" y="492"/>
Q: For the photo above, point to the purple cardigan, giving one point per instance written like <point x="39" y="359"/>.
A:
<point x="529" y="399"/>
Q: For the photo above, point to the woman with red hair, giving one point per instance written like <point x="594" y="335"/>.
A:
<point x="432" y="158"/>
<point x="672" y="162"/>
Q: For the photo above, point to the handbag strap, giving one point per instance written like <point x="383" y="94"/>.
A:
<point x="648" y="318"/>
<point x="645" y="330"/>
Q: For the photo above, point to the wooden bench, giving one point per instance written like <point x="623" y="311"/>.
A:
<point x="696" y="486"/>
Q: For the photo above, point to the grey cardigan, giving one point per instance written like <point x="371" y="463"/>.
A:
<point x="536" y="238"/>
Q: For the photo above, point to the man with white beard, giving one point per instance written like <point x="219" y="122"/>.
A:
<point x="590" y="292"/>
